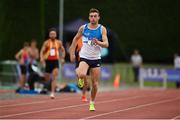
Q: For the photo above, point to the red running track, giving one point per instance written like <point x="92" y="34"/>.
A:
<point x="122" y="104"/>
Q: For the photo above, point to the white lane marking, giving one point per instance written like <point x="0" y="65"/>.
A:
<point x="176" y="117"/>
<point x="71" y="106"/>
<point x="21" y="104"/>
<point x="131" y="108"/>
<point x="30" y="103"/>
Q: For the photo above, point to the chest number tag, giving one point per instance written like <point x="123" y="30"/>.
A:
<point x="91" y="43"/>
<point x="52" y="52"/>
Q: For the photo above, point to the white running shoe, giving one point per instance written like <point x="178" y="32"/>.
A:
<point x="52" y="96"/>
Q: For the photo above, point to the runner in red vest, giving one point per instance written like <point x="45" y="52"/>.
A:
<point x="23" y="58"/>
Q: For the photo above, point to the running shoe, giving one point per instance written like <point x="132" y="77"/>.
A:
<point x="84" y="99"/>
<point x="81" y="83"/>
<point x="52" y="96"/>
<point x="91" y="107"/>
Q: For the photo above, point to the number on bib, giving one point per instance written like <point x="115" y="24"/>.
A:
<point x="52" y="52"/>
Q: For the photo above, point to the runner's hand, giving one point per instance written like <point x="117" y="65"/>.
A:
<point x="42" y="61"/>
<point x="95" y="41"/>
<point x="62" y="61"/>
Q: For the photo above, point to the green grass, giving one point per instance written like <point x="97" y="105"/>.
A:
<point x="127" y="76"/>
<point x="159" y="84"/>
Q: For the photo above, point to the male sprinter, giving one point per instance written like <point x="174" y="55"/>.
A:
<point x="94" y="37"/>
<point x="51" y="52"/>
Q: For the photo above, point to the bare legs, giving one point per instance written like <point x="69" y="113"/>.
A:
<point x="95" y="75"/>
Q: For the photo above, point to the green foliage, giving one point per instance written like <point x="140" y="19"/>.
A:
<point x="148" y="25"/>
<point x="21" y="22"/>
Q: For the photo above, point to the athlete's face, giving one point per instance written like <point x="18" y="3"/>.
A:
<point x="94" y="17"/>
<point x="33" y="44"/>
<point x="52" y="35"/>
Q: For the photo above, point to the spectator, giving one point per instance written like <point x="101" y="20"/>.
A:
<point x="136" y="60"/>
<point x="177" y="66"/>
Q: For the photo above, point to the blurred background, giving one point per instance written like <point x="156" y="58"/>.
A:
<point x="151" y="26"/>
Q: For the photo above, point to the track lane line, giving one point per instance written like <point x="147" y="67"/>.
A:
<point x="43" y="101"/>
<point x="176" y="117"/>
<point x="73" y="106"/>
<point x="131" y="108"/>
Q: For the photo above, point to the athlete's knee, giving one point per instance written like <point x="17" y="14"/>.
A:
<point x="95" y="85"/>
<point x="80" y="74"/>
<point x="86" y="83"/>
<point x="55" y="72"/>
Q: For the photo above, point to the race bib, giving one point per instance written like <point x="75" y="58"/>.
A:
<point x="52" y="52"/>
<point x="91" y="43"/>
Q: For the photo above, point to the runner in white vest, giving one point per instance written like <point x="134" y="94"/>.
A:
<point x="94" y="37"/>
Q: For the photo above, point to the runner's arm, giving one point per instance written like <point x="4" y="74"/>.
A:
<point x="42" y="52"/>
<point x="74" y="43"/>
<point x="18" y="54"/>
<point x="104" y="43"/>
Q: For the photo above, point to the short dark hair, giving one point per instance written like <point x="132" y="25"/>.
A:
<point x="94" y="10"/>
<point x="33" y="40"/>
<point x="52" y="29"/>
<point x="26" y="44"/>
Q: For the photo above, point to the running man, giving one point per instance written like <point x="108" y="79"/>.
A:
<point x="51" y="52"/>
<point x="23" y="58"/>
<point x="94" y="36"/>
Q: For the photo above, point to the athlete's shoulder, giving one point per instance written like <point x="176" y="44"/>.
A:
<point x="102" y="26"/>
<point x="58" y="41"/>
<point x="46" y="41"/>
<point x="82" y="26"/>
<point x="21" y="51"/>
<point x="103" y="29"/>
